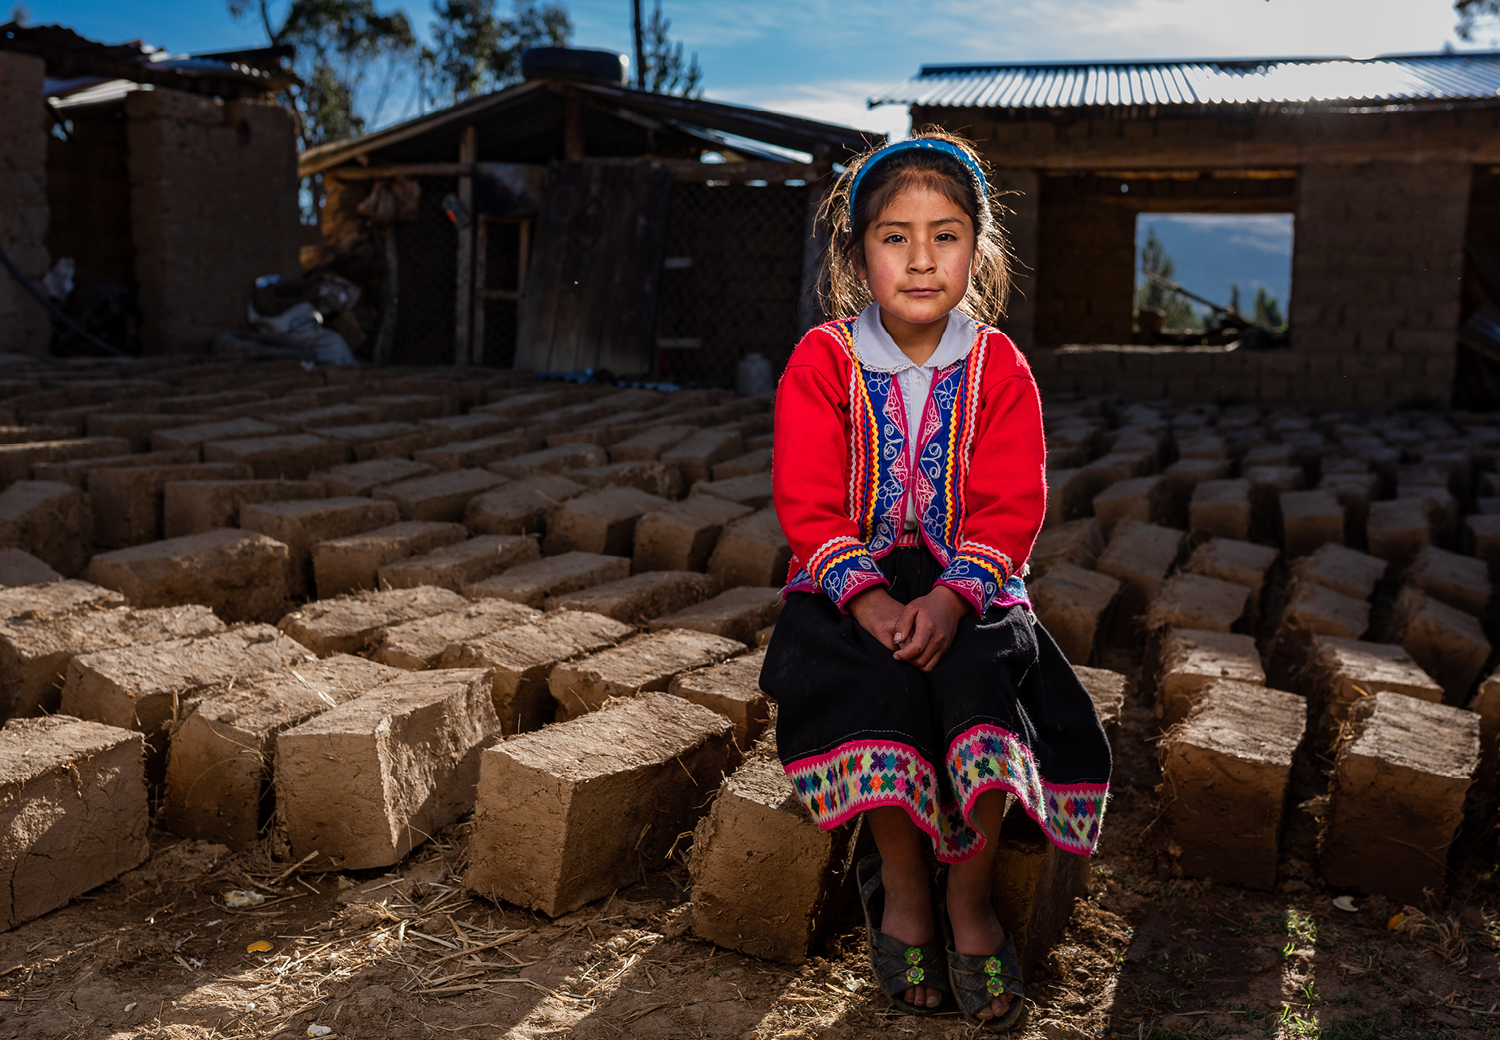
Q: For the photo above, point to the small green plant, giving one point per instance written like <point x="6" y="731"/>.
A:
<point x="1308" y="993"/>
<point x="1301" y="926"/>
<point x="1297" y="1025"/>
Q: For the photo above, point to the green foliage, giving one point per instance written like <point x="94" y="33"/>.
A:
<point x="1154" y="258"/>
<point x="341" y="45"/>
<point x="664" y="70"/>
<point x="1301" y="926"/>
<point x="1268" y="310"/>
<point x="1471" y="12"/>
<point x="476" y="50"/>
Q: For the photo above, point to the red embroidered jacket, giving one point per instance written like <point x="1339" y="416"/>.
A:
<point x="842" y="468"/>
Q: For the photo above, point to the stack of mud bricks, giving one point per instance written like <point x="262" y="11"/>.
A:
<point x="1302" y="587"/>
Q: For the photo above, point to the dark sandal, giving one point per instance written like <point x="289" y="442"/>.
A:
<point x="898" y="967"/>
<point x="978" y="980"/>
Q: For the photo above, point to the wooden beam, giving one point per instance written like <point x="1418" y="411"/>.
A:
<point x="378" y="173"/>
<point x="481" y="279"/>
<point x="572" y="126"/>
<point x="463" y="310"/>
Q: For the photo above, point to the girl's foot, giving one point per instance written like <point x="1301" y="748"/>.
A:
<point x="908" y="918"/>
<point x="976" y="929"/>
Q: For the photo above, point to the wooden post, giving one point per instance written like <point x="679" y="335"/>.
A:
<point x="572" y="126"/>
<point x="481" y="285"/>
<point x="463" y="347"/>
<point x="390" y="294"/>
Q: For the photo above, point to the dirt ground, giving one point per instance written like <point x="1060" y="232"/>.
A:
<point x="158" y="954"/>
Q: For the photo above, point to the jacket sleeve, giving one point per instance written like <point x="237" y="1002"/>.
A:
<point x="810" y="478"/>
<point x="1006" y="492"/>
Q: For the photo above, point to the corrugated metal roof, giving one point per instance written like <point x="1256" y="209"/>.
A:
<point x="1388" y="80"/>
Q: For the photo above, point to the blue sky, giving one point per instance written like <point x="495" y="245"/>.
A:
<point x="822" y="58"/>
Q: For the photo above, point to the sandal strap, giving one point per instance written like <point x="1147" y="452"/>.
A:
<point x="977" y="980"/>
<point x="901" y="966"/>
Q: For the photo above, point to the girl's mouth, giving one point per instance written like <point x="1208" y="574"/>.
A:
<point x="921" y="291"/>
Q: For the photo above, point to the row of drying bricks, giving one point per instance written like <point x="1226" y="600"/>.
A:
<point x="1370" y="702"/>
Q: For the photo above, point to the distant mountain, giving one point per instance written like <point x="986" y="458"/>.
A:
<point x="1214" y="250"/>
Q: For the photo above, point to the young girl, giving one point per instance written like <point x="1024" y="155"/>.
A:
<point x="914" y="684"/>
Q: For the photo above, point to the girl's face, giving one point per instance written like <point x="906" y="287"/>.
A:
<point x="917" y="256"/>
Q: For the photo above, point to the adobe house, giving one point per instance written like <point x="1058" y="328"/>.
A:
<point x="570" y="222"/>
<point x="1388" y="167"/>
<point x="171" y="177"/>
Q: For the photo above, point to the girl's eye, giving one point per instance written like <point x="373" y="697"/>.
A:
<point x="895" y="238"/>
<point x="946" y="236"/>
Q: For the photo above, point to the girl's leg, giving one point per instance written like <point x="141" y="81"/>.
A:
<point x="976" y="929"/>
<point x="908" y="887"/>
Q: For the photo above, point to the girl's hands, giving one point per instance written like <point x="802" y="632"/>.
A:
<point x="920" y="632"/>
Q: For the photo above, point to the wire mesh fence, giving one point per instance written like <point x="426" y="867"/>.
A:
<point x="731" y="279"/>
<point x="427" y="272"/>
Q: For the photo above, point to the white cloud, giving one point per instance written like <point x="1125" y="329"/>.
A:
<point x="840" y="102"/>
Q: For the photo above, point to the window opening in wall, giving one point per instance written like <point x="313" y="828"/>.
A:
<point x="1213" y="278"/>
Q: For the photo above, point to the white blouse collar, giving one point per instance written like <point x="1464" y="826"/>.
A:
<point x="877" y="351"/>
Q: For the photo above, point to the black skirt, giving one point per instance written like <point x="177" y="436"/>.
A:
<point x="1003" y="710"/>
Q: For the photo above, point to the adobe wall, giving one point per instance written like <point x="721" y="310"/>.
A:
<point x="1019" y="193"/>
<point x="88" y="185"/>
<point x="213" y="206"/>
<point x="24" y="325"/>
<point x="1085" y="266"/>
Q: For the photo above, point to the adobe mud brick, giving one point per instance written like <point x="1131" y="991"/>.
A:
<point x="313" y="419"/>
<point x="1073" y="604"/>
<point x="366" y="782"/>
<point x="1070" y="494"/>
<point x="51" y="520"/>
<point x="418" y="644"/>
<point x="362" y="478"/>
<point x="241" y="575"/>
<point x="1319" y="610"/>
<point x="1441" y="506"/>
<point x="767" y="881"/>
<point x="1117" y="466"/>
<point x="473" y="426"/>
<point x="1309" y="520"/>
<point x="1342" y="671"/>
<point x="136" y="427"/>
<point x="1398" y="529"/>
<point x="1190" y="659"/>
<point x="16" y="460"/>
<point x="654" y="478"/>
<point x="1221" y="508"/>
<point x="538" y="839"/>
<point x="600" y="522"/>
<point x="1224" y="778"/>
<point x="1482" y="535"/>
<point x="1447" y="643"/>
<point x="1396" y="797"/>
<point x="1229" y="559"/>
<point x="1355" y="492"/>
<point x="128" y="504"/>
<point x="195" y="436"/>
<point x="533" y="583"/>
<point x="353" y="563"/>
<point x="550" y="460"/>
<point x="636" y="600"/>
<point x="475" y="453"/>
<point x="737" y="613"/>
<point x="520" y="507"/>
<point x="34" y="652"/>
<point x="290" y="456"/>
<point x="442" y="496"/>
<point x="682" y="536"/>
<point x="349" y="624"/>
<point x="1194" y="601"/>
<point x="408" y="407"/>
<point x="643" y="663"/>
<point x="56" y="598"/>
<point x="753" y="490"/>
<point x="1107" y="690"/>
<point x="1342" y="569"/>
<point x="1147" y="499"/>
<point x="1459" y="581"/>
<point x="219" y="765"/>
<point x="1034" y="887"/>
<point x="1184" y="475"/>
<point x="460" y="564"/>
<point x="694" y="457"/>
<point x="756" y="461"/>
<point x="751" y="551"/>
<point x="650" y="443"/>
<point x="1139" y="555"/>
<point x="73" y="812"/>
<point x="19" y="567"/>
<point x="1078" y="542"/>
<point x="522" y="656"/>
<point x="1486" y="704"/>
<point x="77" y="471"/>
<point x="731" y="688"/>
<point x="299" y="525"/>
<point x="152" y="686"/>
<point x="195" y="506"/>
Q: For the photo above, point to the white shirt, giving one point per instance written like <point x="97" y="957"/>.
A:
<point x="878" y="352"/>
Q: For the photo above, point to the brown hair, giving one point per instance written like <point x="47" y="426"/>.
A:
<point x="840" y="287"/>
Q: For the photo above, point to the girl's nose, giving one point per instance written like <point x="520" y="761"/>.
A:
<point x="923" y="257"/>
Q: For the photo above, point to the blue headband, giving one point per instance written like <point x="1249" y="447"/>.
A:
<point x="918" y="142"/>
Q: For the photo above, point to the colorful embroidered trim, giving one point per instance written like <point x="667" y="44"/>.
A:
<point x="863" y="775"/>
